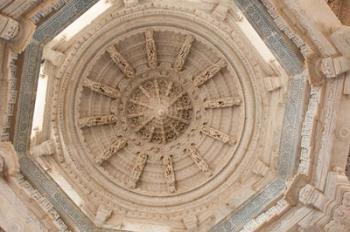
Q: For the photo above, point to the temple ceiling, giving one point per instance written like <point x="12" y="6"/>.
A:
<point x="162" y="118"/>
<point x="165" y="116"/>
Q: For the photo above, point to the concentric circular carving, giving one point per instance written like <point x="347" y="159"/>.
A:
<point x="158" y="116"/>
<point x="167" y="113"/>
<point x="159" y="110"/>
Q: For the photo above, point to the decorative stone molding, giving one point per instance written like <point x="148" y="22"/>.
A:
<point x="16" y="9"/>
<point x="10" y="86"/>
<point x="308" y="132"/>
<point x="43" y="202"/>
<point x="279" y="208"/>
<point x="44" y="9"/>
<point x="286" y="28"/>
<point x="306" y="17"/>
<point x="19" y="212"/>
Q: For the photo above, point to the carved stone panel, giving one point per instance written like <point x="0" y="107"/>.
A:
<point x="155" y="117"/>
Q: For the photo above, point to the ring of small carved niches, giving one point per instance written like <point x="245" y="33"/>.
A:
<point x="159" y="110"/>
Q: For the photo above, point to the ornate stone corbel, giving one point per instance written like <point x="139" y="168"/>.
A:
<point x="312" y="197"/>
<point x="332" y="67"/>
<point x="333" y="206"/>
<point x="103" y="214"/>
<point x="220" y="11"/>
<point x="24" y="35"/>
<point x="223" y="8"/>
<point x="260" y="169"/>
<point x="54" y="57"/>
<point x="272" y="83"/>
<point x="191" y="222"/>
<point x="45" y="148"/>
<point x="130" y="3"/>
<point x="326" y="68"/>
<point x="9" y="28"/>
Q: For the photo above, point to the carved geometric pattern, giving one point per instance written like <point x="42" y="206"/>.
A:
<point x="159" y="110"/>
<point x="155" y="111"/>
<point x="193" y="116"/>
<point x="157" y="114"/>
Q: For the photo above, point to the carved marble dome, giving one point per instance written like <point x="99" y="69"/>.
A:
<point x="160" y="110"/>
<point x="174" y="116"/>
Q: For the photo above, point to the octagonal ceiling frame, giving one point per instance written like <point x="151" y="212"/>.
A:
<point x="284" y="50"/>
<point x="292" y="61"/>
